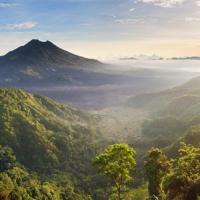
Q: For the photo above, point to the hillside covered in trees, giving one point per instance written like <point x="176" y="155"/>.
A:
<point x="53" y="151"/>
<point x="46" y="139"/>
<point x="172" y="113"/>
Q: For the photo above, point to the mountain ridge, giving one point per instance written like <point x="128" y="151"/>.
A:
<point x="36" y="52"/>
<point x="159" y="99"/>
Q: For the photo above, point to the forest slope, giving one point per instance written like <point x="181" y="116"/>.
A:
<point x="48" y="138"/>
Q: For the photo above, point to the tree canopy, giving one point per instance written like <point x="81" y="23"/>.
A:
<point x="183" y="181"/>
<point x="156" y="167"/>
<point x="117" y="162"/>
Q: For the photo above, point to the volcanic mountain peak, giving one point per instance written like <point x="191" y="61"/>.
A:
<point x="38" y="63"/>
<point x="35" y="49"/>
<point x="38" y="53"/>
<point x="38" y="43"/>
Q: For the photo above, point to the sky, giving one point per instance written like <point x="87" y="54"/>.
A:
<point x="104" y="28"/>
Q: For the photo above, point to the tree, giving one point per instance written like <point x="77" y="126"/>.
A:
<point x="183" y="181"/>
<point x="6" y="186"/>
<point x="156" y="167"/>
<point x="117" y="162"/>
<point x="7" y="158"/>
<point x="19" y="193"/>
<point x="50" y="191"/>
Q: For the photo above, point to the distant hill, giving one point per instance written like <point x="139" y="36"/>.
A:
<point x="186" y="58"/>
<point x="171" y="112"/>
<point x="44" y="62"/>
<point x="185" y="95"/>
<point x="143" y="57"/>
<point x="192" y="136"/>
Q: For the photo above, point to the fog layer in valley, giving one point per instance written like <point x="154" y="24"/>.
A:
<point x="123" y="79"/>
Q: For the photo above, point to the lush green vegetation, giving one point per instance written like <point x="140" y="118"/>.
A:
<point x="116" y="163"/>
<point x="55" y="142"/>
<point x="177" y="179"/>
<point x="183" y="181"/>
<point x="156" y="167"/>
<point x="51" y="151"/>
<point x="17" y="183"/>
<point x="173" y="116"/>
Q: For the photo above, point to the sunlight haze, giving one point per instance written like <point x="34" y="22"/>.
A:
<point x="104" y="28"/>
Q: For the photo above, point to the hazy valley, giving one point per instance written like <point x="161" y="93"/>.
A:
<point x="44" y="68"/>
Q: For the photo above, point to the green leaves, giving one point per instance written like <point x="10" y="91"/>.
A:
<point x="48" y="139"/>
<point x="6" y="185"/>
<point x="183" y="181"/>
<point x="156" y="167"/>
<point x="7" y="158"/>
<point x="117" y="162"/>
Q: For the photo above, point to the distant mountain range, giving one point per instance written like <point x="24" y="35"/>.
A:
<point x="186" y="58"/>
<point x="156" y="57"/>
<point x="189" y="93"/>
<point x="43" y="62"/>
<point x="143" y="57"/>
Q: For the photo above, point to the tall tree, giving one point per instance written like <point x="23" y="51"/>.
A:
<point x="117" y="162"/>
<point x="183" y="181"/>
<point x="156" y="167"/>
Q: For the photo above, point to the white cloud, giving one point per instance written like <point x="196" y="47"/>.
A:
<point x="198" y="3"/>
<point x="192" y="19"/>
<point x="20" y="26"/>
<point x="128" y="21"/>
<point x="7" y="5"/>
<point x="131" y="9"/>
<point x="163" y="3"/>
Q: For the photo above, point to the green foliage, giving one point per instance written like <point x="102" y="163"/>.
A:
<point x="48" y="139"/>
<point x="182" y="106"/>
<point x="183" y="182"/>
<point x="139" y="193"/>
<point x="33" y="125"/>
<point x="50" y="191"/>
<point x="192" y="136"/>
<point x="46" y="152"/>
<point x="156" y="167"/>
<point x="174" y="118"/>
<point x="168" y="127"/>
<point x="19" y="193"/>
<point x="7" y="158"/>
<point x="6" y="186"/>
<point x="18" y="184"/>
<point x="116" y="162"/>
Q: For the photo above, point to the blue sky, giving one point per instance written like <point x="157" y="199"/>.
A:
<point x="104" y="28"/>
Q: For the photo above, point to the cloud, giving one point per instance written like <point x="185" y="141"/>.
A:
<point x="8" y="5"/>
<point x="192" y="19"/>
<point x="21" y="26"/>
<point x="128" y="21"/>
<point x="198" y="3"/>
<point x="131" y="9"/>
<point x="163" y="3"/>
